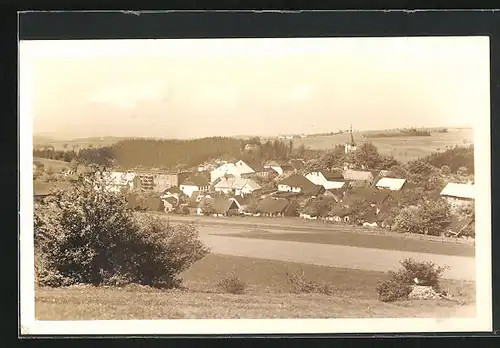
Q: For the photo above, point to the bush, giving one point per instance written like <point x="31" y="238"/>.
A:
<point x="301" y="285"/>
<point x="399" y="284"/>
<point x="232" y="284"/>
<point x="87" y="235"/>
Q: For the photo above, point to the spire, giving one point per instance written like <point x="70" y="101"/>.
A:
<point x="352" y="137"/>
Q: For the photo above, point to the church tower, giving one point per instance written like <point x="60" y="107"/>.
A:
<point x="351" y="146"/>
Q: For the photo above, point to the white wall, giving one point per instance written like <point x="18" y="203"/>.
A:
<point x="188" y="189"/>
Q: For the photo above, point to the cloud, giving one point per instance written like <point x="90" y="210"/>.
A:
<point x="128" y="96"/>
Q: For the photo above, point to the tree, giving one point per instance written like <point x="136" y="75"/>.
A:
<point x="206" y="207"/>
<point x="445" y="170"/>
<point x="435" y="215"/>
<point x="367" y="156"/>
<point x="311" y="210"/>
<point x="409" y="220"/>
<point x="388" y="162"/>
<point x="462" y="171"/>
<point x="86" y="234"/>
<point x="360" y="208"/>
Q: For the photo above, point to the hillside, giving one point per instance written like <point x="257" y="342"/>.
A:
<point x="133" y="153"/>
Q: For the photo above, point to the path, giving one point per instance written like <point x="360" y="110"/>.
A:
<point x="462" y="268"/>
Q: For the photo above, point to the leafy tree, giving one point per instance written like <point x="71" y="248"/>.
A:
<point x="409" y="220"/>
<point x="86" y="234"/>
<point x="206" y="207"/>
<point x="445" y="170"/>
<point x="435" y="215"/>
<point x="360" y="208"/>
<point x="311" y="210"/>
<point x="387" y="162"/>
<point x="367" y="156"/>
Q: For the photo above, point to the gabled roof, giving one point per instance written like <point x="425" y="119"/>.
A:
<point x="296" y="180"/>
<point x="458" y="190"/>
<point x="237" y="184"/>
<point x="391" y="183"/>
<point x="41" y="188"/>
<point x="458" y="224"/>
<point x="241" y="200"/>
<point x="173" y="189"/>
<point x="357" y="175"/>
<point x="171" y="200"/>
<point x="220" y="204"/>
<point x="297" y="164"/>
<point x="273" y="206"/>
<point x="196" y="180"/>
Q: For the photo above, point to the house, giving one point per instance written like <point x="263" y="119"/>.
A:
<point x="340" y="214"/>
<point x="392" y="184"/>
<point x="337" y="194"/>
<point x="273" y="206"/>
<point x="297" y="164"/>
<point x="300" y="184"/>
<point x="351" y="175"/>
<point x="458" y="226"/>
<point x="238" y="169"/>
<point x="219" y="206"/>
<point x="43" y="189"/>
<point x="458" y="194"/>
<point x="251" y="147"/>
<point x="170" y="203"/>
<point x="280" y="167"/>
<point x="241" y="201"/>
<point x="119" y="181"/>
<point x="237" y="185"/>
<point x="196" y="182"/>
<point x="327" y="179"/>
<point x="173" y="191"/>
<point x="163" y="181"/>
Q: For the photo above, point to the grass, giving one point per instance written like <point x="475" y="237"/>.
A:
<point x="54" y="165"/>
<point x="269" y="295"/>
<point x="300" y="231"/>
<point x="337" y="237"/>
<point x="402" y="148"/>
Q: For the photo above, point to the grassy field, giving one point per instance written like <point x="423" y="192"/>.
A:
<point x="297" y="230"/>
<point x="268" y="295"/>
<point x="338" y="237"/>
<point x="54" y="165"/>
<point x="402" y="148"/>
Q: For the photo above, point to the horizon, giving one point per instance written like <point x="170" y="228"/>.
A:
<point x="185" y="89"/>
<point x="58" y="138"/>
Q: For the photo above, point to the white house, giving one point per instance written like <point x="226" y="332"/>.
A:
<point x="328" y="179"/>
<point x="457" y="194"/>
<point x="392" y="184"/>
<point x="237" y="169"/>
<point x="279" y="167"/>
<point x="358" y="175"/>
<point x="117" y="181"/>
<point x="194" y="183"/>
<point x="237" y="185"/>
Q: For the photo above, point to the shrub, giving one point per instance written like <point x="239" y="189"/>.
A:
<point x="399" y="284"/>
<point x="87" y="235"/>
<point x="301" y="285"/>
<point x="232" y="284"/>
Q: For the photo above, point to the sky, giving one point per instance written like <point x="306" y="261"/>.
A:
<point x="223" y="87"/>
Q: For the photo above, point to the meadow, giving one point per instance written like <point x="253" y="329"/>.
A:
<point x="268" y="295"/>
<point x="403" y="148"/>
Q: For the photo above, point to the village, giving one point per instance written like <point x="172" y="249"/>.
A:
<point x="286" y="188"/>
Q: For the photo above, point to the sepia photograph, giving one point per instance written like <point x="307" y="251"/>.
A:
<point x="253" y="182"/>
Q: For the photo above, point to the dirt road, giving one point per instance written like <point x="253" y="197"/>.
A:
<point x="462" y="268"/>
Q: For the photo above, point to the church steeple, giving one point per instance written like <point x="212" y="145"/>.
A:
<point x="352" y="137"/>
